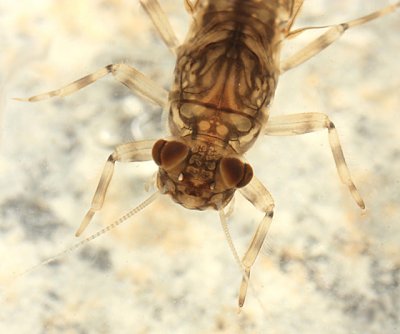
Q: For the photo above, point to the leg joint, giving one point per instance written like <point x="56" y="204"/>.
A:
<point x="344" y="26"/>
<point x="113" y="157"/>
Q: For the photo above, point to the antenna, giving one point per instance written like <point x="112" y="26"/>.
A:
<point x="99" y="233"/>
<point x="225" y="228"/>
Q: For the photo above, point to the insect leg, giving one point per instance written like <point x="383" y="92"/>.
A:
<point x="161" y="23"/>
<point x="189" y="6"/>
<point x="295" y="11"/>
<point x="329" y="37"/>
<point x="260" y="197"/>
<point x="288" y="125"/>
<point x="135" y="151"/>
<point x="136" y="81"/>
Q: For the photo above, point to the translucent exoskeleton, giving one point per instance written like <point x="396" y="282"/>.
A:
<point x="226" y="75"/>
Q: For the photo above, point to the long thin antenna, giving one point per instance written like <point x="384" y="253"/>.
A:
<point x="224" y="225"/>
<point x="104" y="230"/>
<point x="232" y="247"/>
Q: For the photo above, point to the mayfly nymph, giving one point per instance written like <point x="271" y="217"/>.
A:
<point x="226" y="75"/>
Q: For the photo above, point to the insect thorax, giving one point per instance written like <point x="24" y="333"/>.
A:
<point x="225" y="76"/>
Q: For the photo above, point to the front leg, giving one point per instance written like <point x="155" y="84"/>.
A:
<point x="130" y="152"/>
<point x="260" y="197"/>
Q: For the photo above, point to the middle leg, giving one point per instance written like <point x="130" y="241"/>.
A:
<point x="297" y="124"/>
<point x="136" y="81"/>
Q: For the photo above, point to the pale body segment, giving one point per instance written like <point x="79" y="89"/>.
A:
<point x="225" y="78"/>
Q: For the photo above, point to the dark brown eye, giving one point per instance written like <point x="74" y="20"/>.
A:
<point x="235" y="173"/>
<point x="169" y="154"/>
<point x="156" y="151"/>
<point x="248" y="175"/>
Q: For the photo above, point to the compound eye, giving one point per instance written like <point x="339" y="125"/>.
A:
<point x="169" y="154"/>
<point x="235" y="173"/>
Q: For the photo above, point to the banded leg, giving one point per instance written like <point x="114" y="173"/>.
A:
<point x="260" y="197"/>
<point x="130" y="152"/>
<point x="136" y="81"/>
<point x="329" y="37"/>
<point x="297" y="124"/>
<point x="161" y="23"/>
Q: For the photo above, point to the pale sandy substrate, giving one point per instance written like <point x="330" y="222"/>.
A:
<point x="325" y="268"/>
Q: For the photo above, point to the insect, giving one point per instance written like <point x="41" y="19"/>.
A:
<point x="225" y="78"/>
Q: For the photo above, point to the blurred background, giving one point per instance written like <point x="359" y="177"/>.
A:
<point x="169" y="270"/>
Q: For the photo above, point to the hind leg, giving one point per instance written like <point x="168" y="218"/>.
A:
<point x="161" y="23"/>
<point x="329" y="37"/>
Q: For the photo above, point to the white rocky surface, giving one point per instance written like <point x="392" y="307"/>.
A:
<point x="325" y="267"/>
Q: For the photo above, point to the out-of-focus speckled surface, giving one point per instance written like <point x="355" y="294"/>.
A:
<point x="325" y="268"/>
